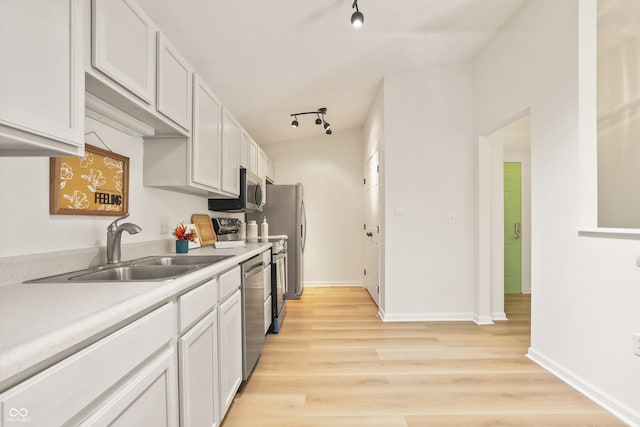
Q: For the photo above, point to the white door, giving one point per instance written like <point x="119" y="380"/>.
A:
<point x="372" y="227"/>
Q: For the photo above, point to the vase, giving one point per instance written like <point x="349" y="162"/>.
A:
<point x="182" y="246"/>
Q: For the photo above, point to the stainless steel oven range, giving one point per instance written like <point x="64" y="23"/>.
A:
<point x="279" y="267"/>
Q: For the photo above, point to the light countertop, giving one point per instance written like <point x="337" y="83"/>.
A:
<point x="42" y="323"/>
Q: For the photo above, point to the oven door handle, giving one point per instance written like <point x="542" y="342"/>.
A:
<point x="279" y="256"/>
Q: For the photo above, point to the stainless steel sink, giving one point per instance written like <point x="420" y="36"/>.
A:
<point x="128" y="273"/>
<point x="148" y="269"/>
<point x="181" y="260"/>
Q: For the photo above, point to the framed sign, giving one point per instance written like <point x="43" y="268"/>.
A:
<point x="95" y="184"/>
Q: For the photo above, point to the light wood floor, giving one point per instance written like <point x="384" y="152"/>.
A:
<point x="335" y="364"/>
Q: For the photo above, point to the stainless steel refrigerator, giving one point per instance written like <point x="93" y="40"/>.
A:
<point x="285" y="214"/>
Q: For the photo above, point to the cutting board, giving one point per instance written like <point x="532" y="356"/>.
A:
<point x="205" y="229"/>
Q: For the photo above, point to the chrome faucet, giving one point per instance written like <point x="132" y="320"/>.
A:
<point x="114" y="234"/>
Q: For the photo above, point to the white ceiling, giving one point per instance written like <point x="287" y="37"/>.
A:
<point x="268" y="59"/>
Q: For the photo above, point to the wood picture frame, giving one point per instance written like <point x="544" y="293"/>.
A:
<point x="95" y="184"/>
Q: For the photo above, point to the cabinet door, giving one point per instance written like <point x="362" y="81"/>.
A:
<point x="230" y="346"/>
<point x="230" y="154"/>
<point x="253" y="157"/>
<point x="124" y="46"/>
<point x="245" y="142"/>
<point x="198" y="367"/>
<point x="41" y="77"/>
<point x="271" y="170"/>
<point x="262" y="163"/>
<point x="206" y="136"/>
<point x="174" y="84"/>
<point x="148" y="399"/>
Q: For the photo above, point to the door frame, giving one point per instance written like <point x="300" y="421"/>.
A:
<point x="489" y="295"/>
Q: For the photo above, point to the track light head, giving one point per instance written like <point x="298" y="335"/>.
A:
<point x="318" y="120"/>
<point x="327" y="125"/>
<point x="294" y="123"/>
<point x="328" y="132"/>
<point x="357" y="19"/>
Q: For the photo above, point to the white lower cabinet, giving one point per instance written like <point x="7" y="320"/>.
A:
<point x="69" y="390"/>
<point x="230" y="350"/>
<point x="136" y="377"/>
<point x="198" y="366"/>
<point x="148" y="399"/>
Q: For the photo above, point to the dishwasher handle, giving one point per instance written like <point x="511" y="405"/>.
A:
<point x="254" y="268"/>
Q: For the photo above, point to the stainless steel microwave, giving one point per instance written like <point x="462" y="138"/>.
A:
<point x="250" y="199"/>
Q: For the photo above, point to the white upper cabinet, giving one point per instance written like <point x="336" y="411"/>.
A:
<point x="206" y="137"/>
<point x="41" y="78"/>
<point x="124" y="46"/>
<point x="245" y="142"/>
<point x="253" y="157"/>
<point x="271" y="170"/>
<point x="230" y="154"/>
<point x="262" y="163"/>
<point x="174" y="84"/>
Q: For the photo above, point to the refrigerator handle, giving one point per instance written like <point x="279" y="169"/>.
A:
<point x="303" y="226"/>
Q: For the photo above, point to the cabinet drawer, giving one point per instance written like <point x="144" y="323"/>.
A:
<point x="194" y="304"/>
<point x="55" y="395"/>
<point x="229" y="282"/>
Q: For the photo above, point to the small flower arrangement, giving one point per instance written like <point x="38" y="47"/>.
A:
<point x="182" y="232"/>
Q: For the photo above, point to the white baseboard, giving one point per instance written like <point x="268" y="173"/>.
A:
<point x="626" y="414"/>
<point x="499" y="316"/>
<point x="427" y="317"/>
<point x="312" y="284"/>
<point x="483" y="320"/>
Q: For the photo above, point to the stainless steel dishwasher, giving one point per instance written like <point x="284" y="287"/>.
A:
<point x="252" y="314"/>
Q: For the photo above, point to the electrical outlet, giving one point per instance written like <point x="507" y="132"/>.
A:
<point x="164" y="224"/>
<point x="636" y="344"/>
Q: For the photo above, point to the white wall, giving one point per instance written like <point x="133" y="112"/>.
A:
<point x="373" y="139"/>
<point x="24" y="211"/>
<point x="429" y="259"/>
<point x="585" y="288"/>
<point x="331" y="170"/>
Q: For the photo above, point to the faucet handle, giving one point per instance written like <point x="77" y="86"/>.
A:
<point x="114" y="224"/>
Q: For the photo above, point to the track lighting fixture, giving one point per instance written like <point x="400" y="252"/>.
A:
<point x="357" y="19"/>
<point x="319" y="119"/>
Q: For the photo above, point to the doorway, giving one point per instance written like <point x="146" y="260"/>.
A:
<point x="511" y="145"/>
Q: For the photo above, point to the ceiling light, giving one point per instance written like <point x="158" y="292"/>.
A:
<point x="319" y="118"/>
<point x="357" y="19"/>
